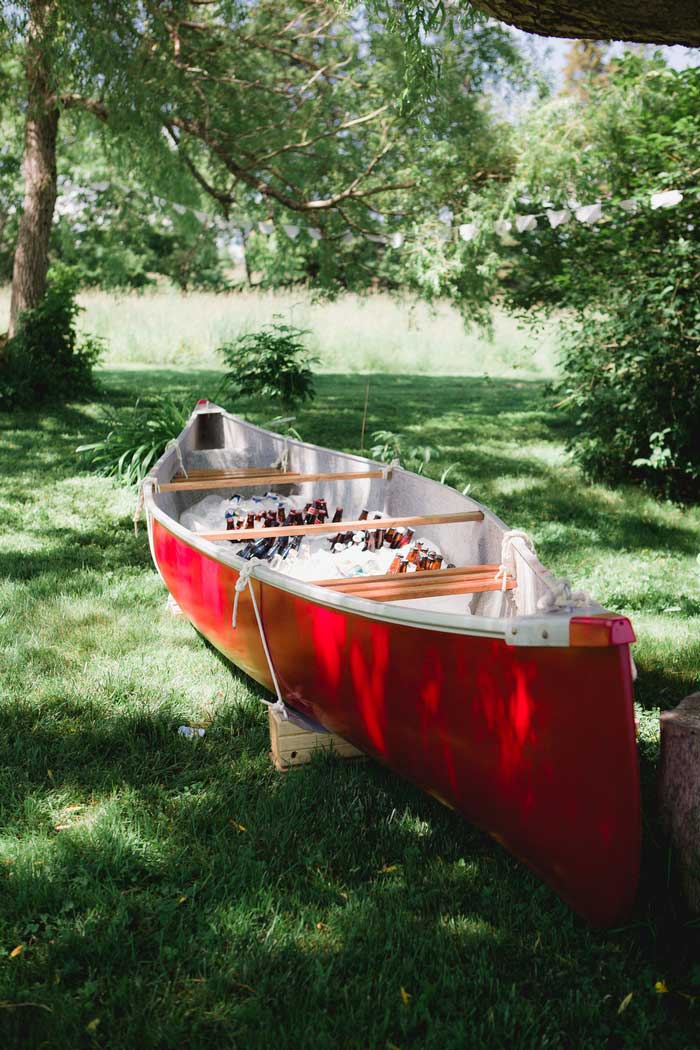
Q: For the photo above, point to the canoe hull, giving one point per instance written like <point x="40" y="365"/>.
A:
<point x="534" y="744"/>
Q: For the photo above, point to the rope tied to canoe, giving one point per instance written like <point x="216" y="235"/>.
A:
<point x="178" y="452"/>
<point x="508" y="567"/>
<point x="138" y="509"/>
<point x="560" y="594"/>
<point x="389" y="468"/>
<point x="245" y="579"/>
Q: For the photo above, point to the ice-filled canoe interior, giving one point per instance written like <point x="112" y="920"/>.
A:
<point x="513" y="706"/>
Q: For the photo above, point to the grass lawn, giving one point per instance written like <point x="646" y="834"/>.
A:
<point x="167" y="892"/>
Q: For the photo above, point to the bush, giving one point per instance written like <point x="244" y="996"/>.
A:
<point x="46" y="360"/>
<point x="634" y="384"/>
<point x="136" y="439"/>
<point x="271" y="363"/>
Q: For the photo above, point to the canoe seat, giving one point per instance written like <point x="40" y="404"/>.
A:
<point x="433" y="583"/>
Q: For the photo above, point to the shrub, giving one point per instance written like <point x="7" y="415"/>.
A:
<point x="46" y="360"/>
<point x="136" y="438"/>
<point x="632" y="378"/>
<point x="271" y="363"/>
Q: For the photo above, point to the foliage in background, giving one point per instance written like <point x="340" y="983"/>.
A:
<point x="136" y="438"/>
<point x="631" y="357"/>
<point x="48" y="360"/>
<point x="347" y="109"/>
<point x="272" y="363"/>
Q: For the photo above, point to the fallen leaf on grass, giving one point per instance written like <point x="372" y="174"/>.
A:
<point x="237" y="826"/>
<point x="661" y="987"/>
<point x="61" y="827"/>
<point x="49" y="774"/>
<point x="625" y="1003"/>
<point x="387" y="868"/>
<point x="405" y="996"/>
<point x="16" y="951"/>
<point x="92" y="1026"/>
<point x="322" y="926"/>
<point x="181" y="900"/>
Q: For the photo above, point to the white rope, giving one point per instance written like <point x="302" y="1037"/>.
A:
<point x="244" y="580"/>
<point x="178" y="452"/>
<point x="138" y="509"/>
<point x="283" y="459"/>
<point x="508" y="566"/>
<point x="559" y="593"/>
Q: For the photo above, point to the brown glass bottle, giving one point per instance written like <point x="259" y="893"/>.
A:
<point x="395" y="566"/>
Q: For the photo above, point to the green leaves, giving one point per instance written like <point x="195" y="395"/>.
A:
<point x="272" y="363"/>
<point x="136" y="438"/>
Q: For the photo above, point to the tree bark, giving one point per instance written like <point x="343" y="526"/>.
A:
<point x="641" y="21"/>
<point x="679" y="792"/>
<point x="31" y="260"/>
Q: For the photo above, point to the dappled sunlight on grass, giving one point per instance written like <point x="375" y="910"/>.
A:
<point x="183" y="892"/>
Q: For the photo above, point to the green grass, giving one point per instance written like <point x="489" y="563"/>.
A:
<point x="149" y="919"/>
<point x="352" y="334"/>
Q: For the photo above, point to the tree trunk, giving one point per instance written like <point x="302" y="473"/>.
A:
<point x="642" y="21"/>
<point x="31" y="260"/>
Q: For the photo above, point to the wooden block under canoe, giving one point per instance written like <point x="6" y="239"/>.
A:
<point x="292" y="746"/>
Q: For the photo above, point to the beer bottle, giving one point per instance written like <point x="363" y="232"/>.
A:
<point x="294" y="545"/>
<point x="408" y="535"/>
<point x="437" y="562"/>
<point x="338" y="516"/>
<point x="363" y="516"/>
<point x="397" y="537"/>
<point x="395" y="566"/>
<point x="262" y="546"/>
<point x="230" y="520"/>
<point x="379" y="534"/>
<point x="403" y="564"/>
<point x="278" y="547"/>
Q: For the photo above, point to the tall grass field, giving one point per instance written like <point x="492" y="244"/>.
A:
<point x="158" y="891"/>
<point x="351" y="334"/>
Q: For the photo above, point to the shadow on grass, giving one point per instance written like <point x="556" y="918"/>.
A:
<point x="193" y="893"/>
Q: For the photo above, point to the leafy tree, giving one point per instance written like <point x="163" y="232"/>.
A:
<point x="272" y="108"/>
<point x="631" y="354"/>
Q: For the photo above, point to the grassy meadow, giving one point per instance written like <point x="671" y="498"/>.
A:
<point x="352" y="334"/>
<point x="157" y="891"/>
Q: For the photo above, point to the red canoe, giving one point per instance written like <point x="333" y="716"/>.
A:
<point x="513" y="706"/>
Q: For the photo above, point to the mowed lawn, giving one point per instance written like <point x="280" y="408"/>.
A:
<point x="157" y="891"/>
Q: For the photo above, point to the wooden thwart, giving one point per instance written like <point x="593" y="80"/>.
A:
<point x="279" y="477"/>
<point x="457" y="570"/>
<point x="422" y="584"/>
<point x="292" y="746"/>
<point x="343" y="526"/>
